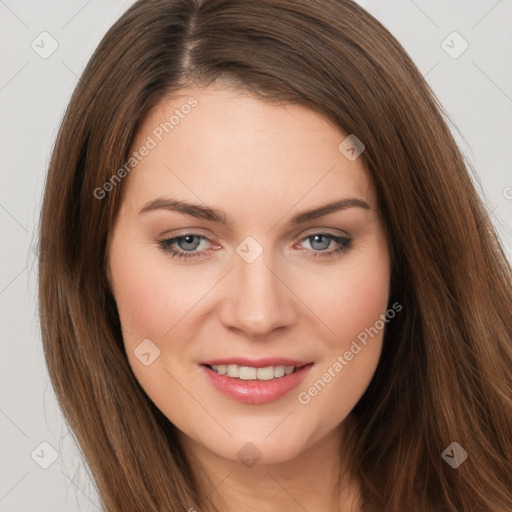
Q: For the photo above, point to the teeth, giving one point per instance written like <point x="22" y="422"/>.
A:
<point x="232" y="370"/>
<point x="279" y="371"/>
<point x="267" y="373"/>
<point x="250" y="373"/>
<point x="247" y="373"/>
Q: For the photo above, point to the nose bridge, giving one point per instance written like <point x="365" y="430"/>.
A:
<point x="258" y="301"/>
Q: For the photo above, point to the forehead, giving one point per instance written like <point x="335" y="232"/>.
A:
<point x="218" y="144"/>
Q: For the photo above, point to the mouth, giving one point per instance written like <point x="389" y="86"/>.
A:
<point x="236" y="371"/>
<point x="256" y="382"/>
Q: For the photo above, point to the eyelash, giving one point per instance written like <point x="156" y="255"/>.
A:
<point x="344" y="246"/>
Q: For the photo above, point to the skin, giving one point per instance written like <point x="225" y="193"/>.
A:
<point x="261" y="164"/>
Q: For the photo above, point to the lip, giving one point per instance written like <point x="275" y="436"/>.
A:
<point x="256" y="391"/>
<point x="257" y="363"/>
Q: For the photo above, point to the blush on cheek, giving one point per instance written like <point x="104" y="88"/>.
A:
<point x="370" y="295"/>
<point x="154" y="306"/>
<point x="360" y="351"/>
<point x="140" y="291"/>
<point x="355" y="306"/>
<point x="136" y="306"/>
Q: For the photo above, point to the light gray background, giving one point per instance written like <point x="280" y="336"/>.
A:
<point x="475" y="88"/>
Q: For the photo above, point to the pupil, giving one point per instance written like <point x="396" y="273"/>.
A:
<point x="318" y="238"/>
<point x="187" y="239"/>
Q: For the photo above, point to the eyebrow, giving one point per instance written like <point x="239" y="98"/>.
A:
<point x="211" y="214"/>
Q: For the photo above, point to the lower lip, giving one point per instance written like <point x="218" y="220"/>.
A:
<point x="256" y="391"/>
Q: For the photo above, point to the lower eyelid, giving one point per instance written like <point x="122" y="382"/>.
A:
<point x="167" y="245"/>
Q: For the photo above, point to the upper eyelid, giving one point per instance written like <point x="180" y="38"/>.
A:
<point x="313" y="231"/>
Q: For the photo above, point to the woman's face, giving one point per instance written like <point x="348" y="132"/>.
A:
<point x="225" y="253"/>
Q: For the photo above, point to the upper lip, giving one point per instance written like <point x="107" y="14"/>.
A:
<point x="256" y="363"/>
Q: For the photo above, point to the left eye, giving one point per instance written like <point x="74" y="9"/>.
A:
<point x="184" y="246"/>
<point x="320" y="242"/>
<point x="186" y="243"/>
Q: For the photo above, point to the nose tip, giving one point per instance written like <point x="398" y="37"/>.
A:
<point x="257" y="301"/>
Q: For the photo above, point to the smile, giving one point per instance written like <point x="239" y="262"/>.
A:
<point x="258" y="384"/>
<point x="252" y="373"/>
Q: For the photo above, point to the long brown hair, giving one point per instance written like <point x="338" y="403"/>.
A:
<point x="445" y="369"/>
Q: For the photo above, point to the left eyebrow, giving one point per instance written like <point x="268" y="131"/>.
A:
<point x="342" y="204"/>
<point x="207" y="213"/>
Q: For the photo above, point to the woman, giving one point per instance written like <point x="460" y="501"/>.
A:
<point x="272" y="283"/>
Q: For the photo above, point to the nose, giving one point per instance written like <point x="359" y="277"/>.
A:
<point x="258" y="299"/>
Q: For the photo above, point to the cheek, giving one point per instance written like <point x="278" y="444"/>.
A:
<point x="351" y="300"/>
<point x="152" y="303"/>
<point x="358" y="297"/>
<point x="151" y="299"/>
<point x="364" y="300"/>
